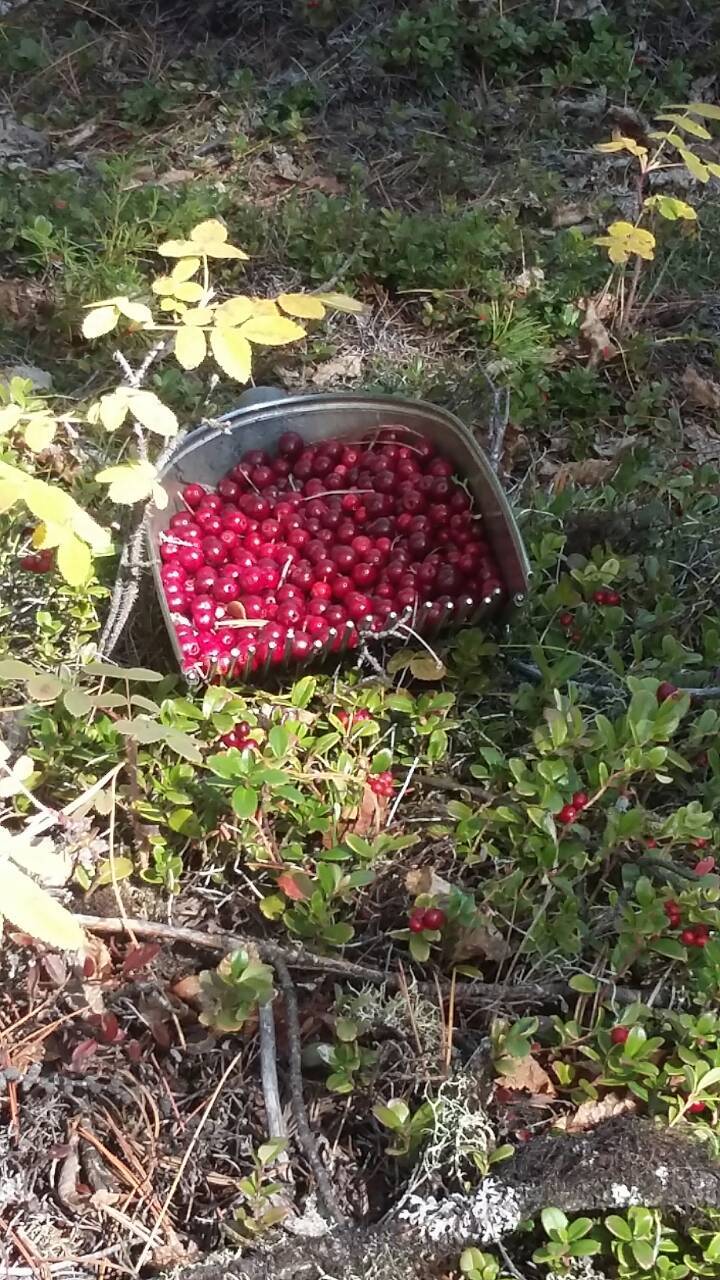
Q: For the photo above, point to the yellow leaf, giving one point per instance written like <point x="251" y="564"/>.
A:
<point x="40" y="536"/>
<point x="342" y="302"/>
<point x="178" y="249"/>
<point x="8" y="496"/>
<point x="113" y="410"/>
<point x="272" y="331"/>
<point x="47" y="502"/>
<point x="74" y="560"/>
<point x="303" y="305"/>
<point x="189" y="291"/>
<point x="163" y="285"/>
<point x="671" y="207"/>
<point x="235" y="311"/>
<point x="136" y="311"/>
<point x="423" y="667"/>
<point x="624" y="239"/>
<point x="99" y="321"/>
<point x="690" y="126"/>
<point x="152" y="413"/>
<point x="232" y="352"/>
<point x="130" y="482"/>
<point x="190" y="347"/>
<point x="264" y="307"/>
<point x="40" y="432"/>
<point x="185" y="269"/>
<point x="622" y="144"/>
<point x="708" y="110"/>
<point x="172" y="304"/>
<point x="694" y="165"/>
<point x="40" y="858"/>
<point x="11" y="415"/>
<point x="159" y="496"/>
<point x="199" y="316"/>
<point x="210" y="232"/>
<point x="714" y="169"/>
<point x="97" y="538"/>
<point x="33" y="910"/>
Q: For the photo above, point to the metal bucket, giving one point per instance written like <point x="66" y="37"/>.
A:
<point x="264" y="413"/>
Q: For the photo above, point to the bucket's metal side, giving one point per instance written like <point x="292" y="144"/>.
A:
<point x="208" y="453"/>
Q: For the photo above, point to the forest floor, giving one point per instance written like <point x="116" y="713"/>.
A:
<point x="438" y="162"/>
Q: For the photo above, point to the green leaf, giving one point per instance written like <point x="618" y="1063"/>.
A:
<point x="185" y="822"/>
<point x="269" y="1151"/>
<point x="303" y="691"/>
<point x="582" y="982"/>
<point x="183" y="745"/>
<point x="77" y="702"/>
<point x="44" y="687"/>
<point x="706" y="110"/>
<point x="13" y="669"/>
<point x="279" y="740"/>
<point x="114" y="672"/>
<point x="346" y="1029"/>
<point x="618" y="1227"/>
<point x="141" y="729"/>
<point x="381" y="761"/>
<point x="245" y="801"/>
<point x="672" y="948"/>
<point x="644" y="1253"/>
<point x="338" y="934"/>
<point x="121" y="867"/>
<point x="553" y="1220"/>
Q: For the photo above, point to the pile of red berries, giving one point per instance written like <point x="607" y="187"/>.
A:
<point x="39" y="561"/>
<point x="421" y="918"/>
<point x="382" y="784"/>
<point x="294" y="554"/>
<point x="240" y="737"/>
<point x="569" y="812"/>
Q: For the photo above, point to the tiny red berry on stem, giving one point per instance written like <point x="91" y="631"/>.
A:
<point x="566" y="619"/>
<point x="416" y="922"/>
<point x="580" y="800"/>
<point x="619" y="1034"/>
<point x="689" y="937"/>
<point x="566" y="815"/>
<point x="695" y="1108"/>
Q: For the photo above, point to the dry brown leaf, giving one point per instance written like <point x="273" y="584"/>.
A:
<point x="592" y="1113"/>
<point x="569" y="215"/>
<point x="701" y="391"/>
<point x="339" y="369"/>
<point x="481" y="939"/>
<point x="527" y="1076"/>
<point x="188" y="990"/>
<point x="24" y="300"/>
<point x="588" y="473"/>
<point x="596" y="336"/>
<point x="424" y="880"/>
<point x="370" y="816"/>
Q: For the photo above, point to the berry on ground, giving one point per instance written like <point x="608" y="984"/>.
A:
<point x="619" y="1034"/>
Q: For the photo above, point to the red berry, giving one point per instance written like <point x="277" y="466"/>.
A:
<point x="613" y="598"/>
<point x="566" y="619"/>
<point x="695" y="1108"/>
<point x="600" y="597"/>
<point x="416" y="921"/>
<point x="689" y="937"/>
<point x="619" y="1034"/>
<point x="580" y="800"/>
<point x="434" y="918"/>
<point x="666" y="690"/>
<point x="566" y="815"/>
<point x="193" y="495"/>
<point x="672" y="909"/>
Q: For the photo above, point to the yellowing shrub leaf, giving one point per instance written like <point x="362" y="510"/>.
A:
<point x="113" y="410"/>
<point x="40" y="432"/>
<point x="342" y="302"/>
<point x="190" y="347"/>
<point x="100" y="320"/>
<point x="683" y="122"/>
<point x="129" y="482"/>
<point x="164" y="285"/>
<point x="136" y="311"/>
<point x="10" y="416"/>
<point x="184" y="269"/>
<point x="707" y="110"/>
<point x="232" y="352"/>
<point x="74" y="560"/>
<point x="47" y="502"/>
<point x="152" y="413"/>
<point x="622" y="144"/>
<point x="97" y="538"/>
<point x="33" y="910"/>
<point x="235" y="310"/>
<point x="272" y="331"/>
<point x="671" y="207"/>
<point x="303" y="305"/>
<point x="189" y="291"/>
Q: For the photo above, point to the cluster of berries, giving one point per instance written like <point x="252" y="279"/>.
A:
<point x="349" y="718"/>
<point x="693" y="935"/>
<point x="240" y="737"/>
<point x="569" y="812"/>
<point x="295" y="554"/>
<point x="421" y="918"/>
<point x="382" y="784"/>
